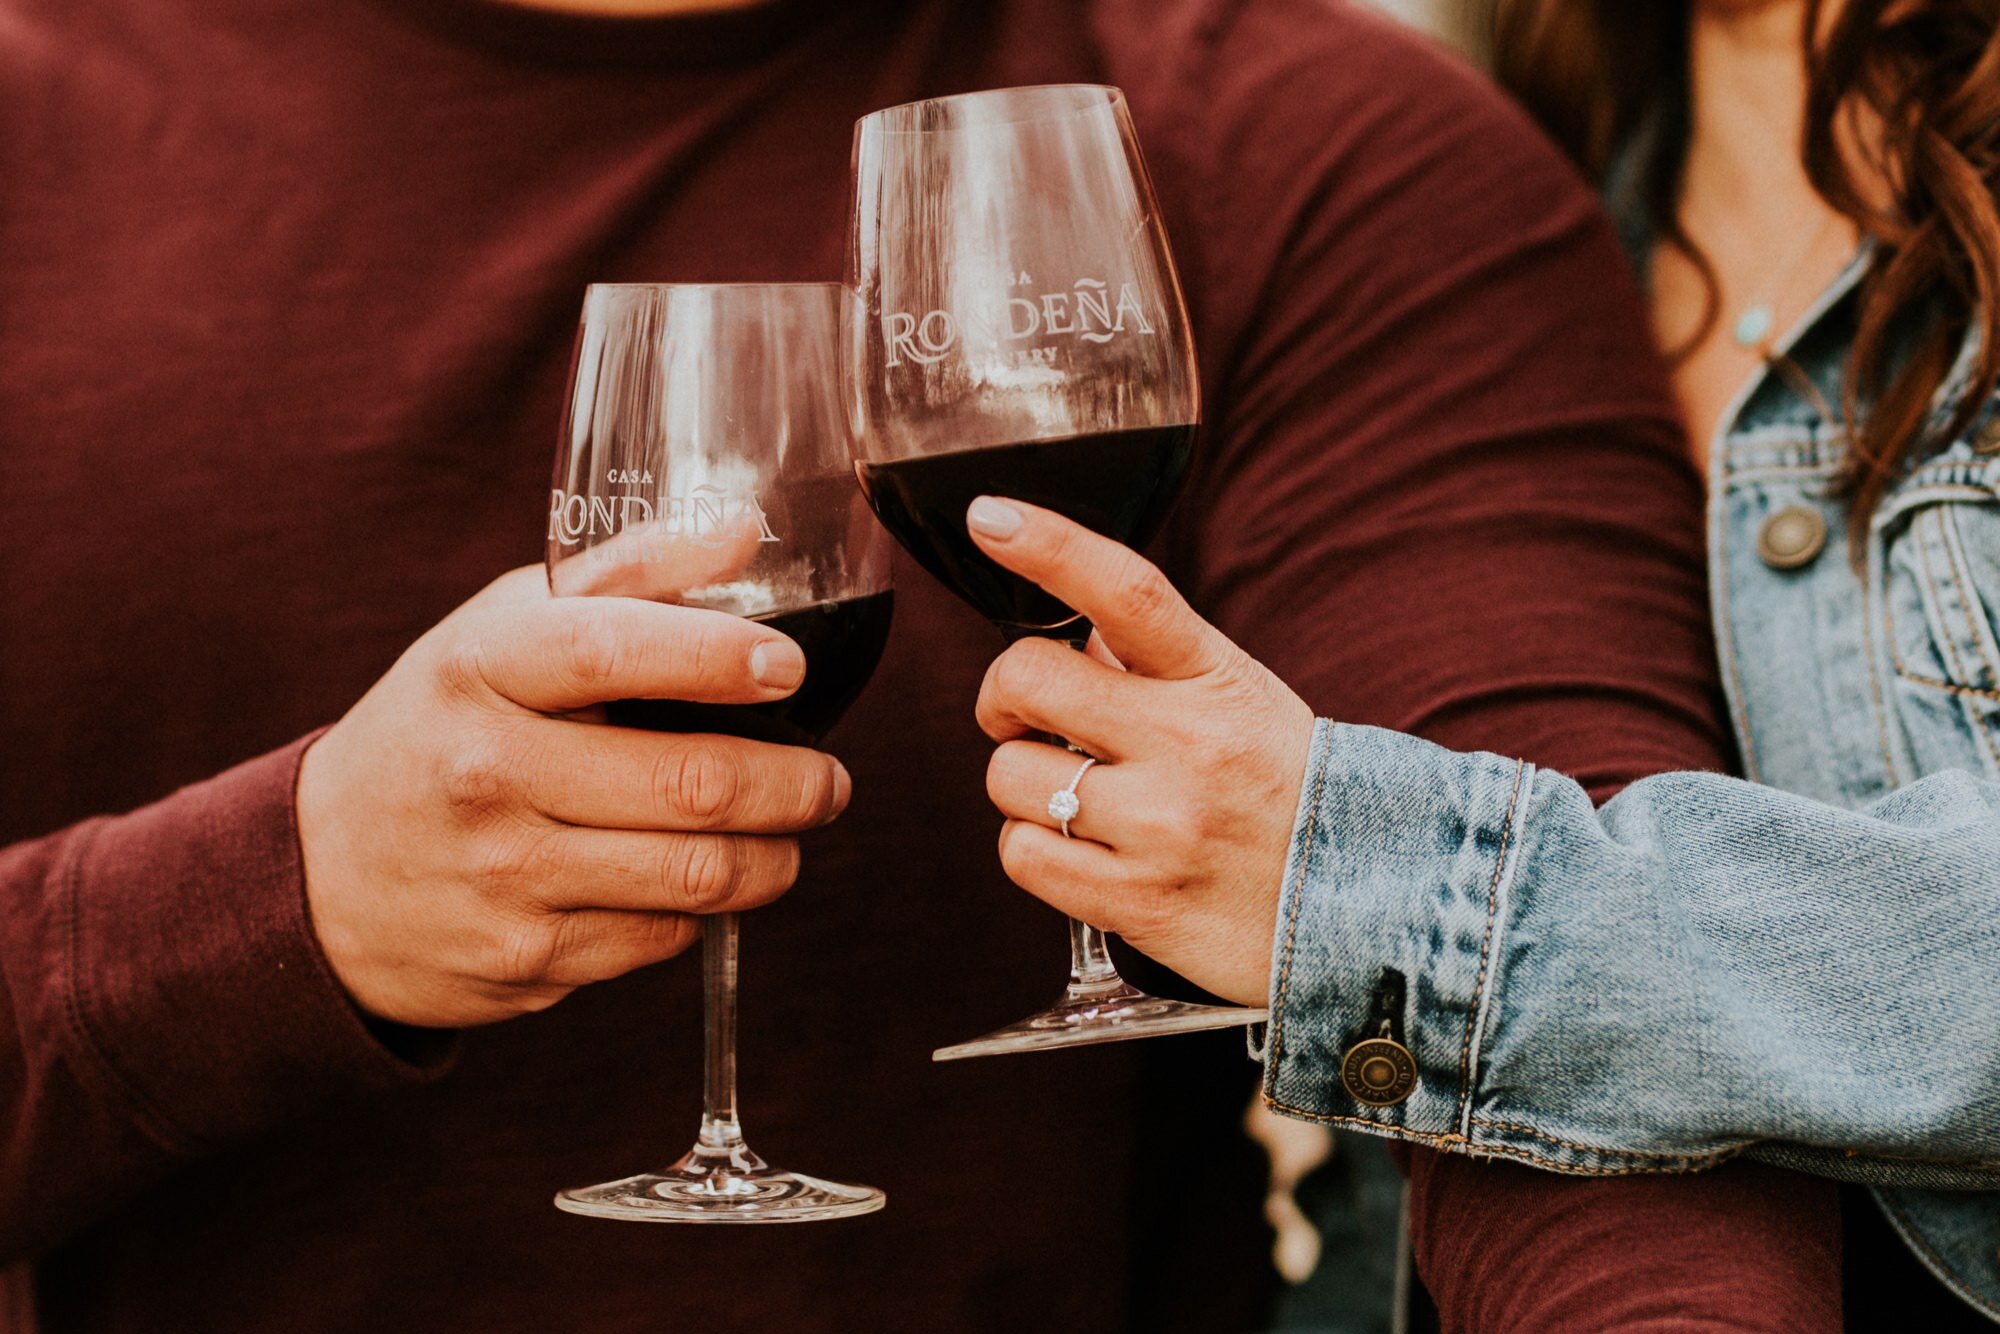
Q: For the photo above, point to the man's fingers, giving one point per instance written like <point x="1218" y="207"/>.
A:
<point x="1039" y="686"/>
<point x="560" y="654"/>
<point x="655" y="561"/>
<point x="1145" y="622"/>
<point x="622" y="778"/>
<point x="1023" y="775"/>
<point x="655" y="873"/>
<point x="594" y="944"/>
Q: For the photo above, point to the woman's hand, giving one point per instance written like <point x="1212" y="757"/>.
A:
<point x="1180" y="843"/>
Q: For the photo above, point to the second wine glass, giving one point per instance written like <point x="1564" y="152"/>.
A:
<point x="1015" y="328"/>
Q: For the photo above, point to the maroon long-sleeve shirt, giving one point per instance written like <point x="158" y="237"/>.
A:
<point x="286" y="295"/>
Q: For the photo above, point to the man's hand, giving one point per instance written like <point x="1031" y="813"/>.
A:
<point x="1180" y="844"/>
<point x="475" y="849"/>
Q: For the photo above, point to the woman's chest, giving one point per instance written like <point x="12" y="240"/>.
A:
<point x="1855" y="667"/>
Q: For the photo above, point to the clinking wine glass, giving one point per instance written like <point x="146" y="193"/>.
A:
<point x="1015" y="328"/>
<point x="705" y="462"/>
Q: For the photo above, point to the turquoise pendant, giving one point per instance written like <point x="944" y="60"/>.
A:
<point x="1753" y="326"/>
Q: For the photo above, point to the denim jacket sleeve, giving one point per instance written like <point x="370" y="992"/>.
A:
<point x="1701" y="968"/>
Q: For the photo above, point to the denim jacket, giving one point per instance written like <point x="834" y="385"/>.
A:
<point x="1803" y="967"/>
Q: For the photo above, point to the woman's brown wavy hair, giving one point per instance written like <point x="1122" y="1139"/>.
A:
<point x="1902" y="92"/>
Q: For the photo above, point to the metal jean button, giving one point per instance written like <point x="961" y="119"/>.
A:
<point x="1379" y="1072"/>
<point x="1792" y="538"/>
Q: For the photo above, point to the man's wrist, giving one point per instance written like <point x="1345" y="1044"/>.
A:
<point x="194" y="979"/>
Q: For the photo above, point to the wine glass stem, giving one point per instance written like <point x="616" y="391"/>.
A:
<point x="720" y="1129"/>
<point x="1090" y="966"/>
<point x="1091" y="972"/>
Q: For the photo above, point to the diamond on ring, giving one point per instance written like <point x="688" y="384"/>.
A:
<point x="1064" y="804"/>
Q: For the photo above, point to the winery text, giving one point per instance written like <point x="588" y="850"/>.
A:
<point x="705" y="515"/>
<point x="1087" y="311"/>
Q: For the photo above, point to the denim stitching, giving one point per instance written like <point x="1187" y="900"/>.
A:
<point x="1875" y="682"/>
<point x="1963" y="1289"/>
<point x="1917" y="497"/>
<point x="1979" y="725"/>
<point x="1918" y="678"/>
<point x="1725" y="646"/>
<point x="1591" y="1148"/>
<point x="1953" y="543"/>
<point x="1779" y="472"/>
<point x="1277" y="1029"/>
<point x="1781" y="440"/>
<point x="1460" y="1144"/>
<point x="1929" y="576"/>
<point x="1925" y="493"/>
<point x="1485" y="943"/>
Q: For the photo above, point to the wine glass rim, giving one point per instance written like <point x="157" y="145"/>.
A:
<point x="1104" y="95"/>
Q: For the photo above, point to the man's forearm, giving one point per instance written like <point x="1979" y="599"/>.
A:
<point x="161" y="992"/>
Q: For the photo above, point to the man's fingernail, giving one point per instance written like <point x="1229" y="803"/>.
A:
<point x="992" y="518"/>
<point x="843" y="786"/>
<point x="778" y="663"/>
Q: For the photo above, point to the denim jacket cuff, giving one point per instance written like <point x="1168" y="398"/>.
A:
<point x="1395" y="890"/>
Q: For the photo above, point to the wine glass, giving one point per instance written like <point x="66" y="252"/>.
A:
<point x="705" y="462"/>
<point x="1015" y="328"/>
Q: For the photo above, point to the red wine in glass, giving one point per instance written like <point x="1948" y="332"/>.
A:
<point x="843" y="640"/>
<point x="1120" y="483"/>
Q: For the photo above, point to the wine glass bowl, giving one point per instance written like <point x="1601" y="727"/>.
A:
<point x="1013" y="297"/>
<point x="705" y="461"/>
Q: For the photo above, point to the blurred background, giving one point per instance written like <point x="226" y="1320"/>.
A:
<point x="1450" y="19"/>
<point x="1424" y="13"/>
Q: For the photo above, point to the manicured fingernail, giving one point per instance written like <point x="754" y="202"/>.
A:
<point x="778" y="663"/>
<point x="992" y="518"/>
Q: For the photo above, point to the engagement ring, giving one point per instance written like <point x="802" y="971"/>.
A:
<point x="1064" y="805"/>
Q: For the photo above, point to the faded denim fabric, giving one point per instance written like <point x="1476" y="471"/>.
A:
<point x="1802" y="967"/>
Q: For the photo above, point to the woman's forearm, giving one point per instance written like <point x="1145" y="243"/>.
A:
<point x="1702" y="967"/>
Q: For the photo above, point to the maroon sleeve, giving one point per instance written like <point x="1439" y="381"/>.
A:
<point x="162" y="992"/>
<point x="1444" y="486"/>
<point x="1446" y="491"/>
<point x="1505" y="1249"/>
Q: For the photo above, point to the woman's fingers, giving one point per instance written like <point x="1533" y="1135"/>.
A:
<point x="1144" y="621"/>
<point x="1084" y="879"/>
<point x="1023" y="775"/>
<point x="1039" y="686"/>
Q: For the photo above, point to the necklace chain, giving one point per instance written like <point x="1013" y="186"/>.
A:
<point x="1756" y="323"/>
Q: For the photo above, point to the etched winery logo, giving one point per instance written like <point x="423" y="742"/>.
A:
<point x="706" y="515"/>
<point x="1089" y="310"/>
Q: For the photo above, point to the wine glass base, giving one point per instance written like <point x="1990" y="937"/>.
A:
<point x="699" y="1189"/>
<point x="1082" y="1019"/>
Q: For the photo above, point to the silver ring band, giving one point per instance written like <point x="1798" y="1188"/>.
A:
<point x="1064" y="805"/>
